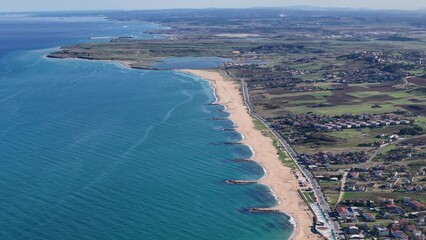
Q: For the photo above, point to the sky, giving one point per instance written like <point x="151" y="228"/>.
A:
<point x="69" y="5"/>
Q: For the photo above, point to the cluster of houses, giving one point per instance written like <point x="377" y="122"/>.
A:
<point x="337" y="125"/>
<point x="326" y="159"/>
<point x="369" y="56"/>
<point x="301" y="120"/>
<point x="352" y="187"/>
<point x="384" y="67"/>
<point x="415" y="205"/>
<point x="321" y="122"/>
<point x="402" y="219"/>
<point x="286" y="79"/>
<point x="380" y="178"/>
<point x="366" y="75"/>
<point x="381" y="57"/>
<point x="262" y="73"/>
<point x="401" y="153"/>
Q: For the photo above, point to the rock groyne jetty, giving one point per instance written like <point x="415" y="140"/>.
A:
<point x="243" y="160"/>
<point x="218" y="118"/>
<point x="263" y="210"/>
<point x="241" y="182"/>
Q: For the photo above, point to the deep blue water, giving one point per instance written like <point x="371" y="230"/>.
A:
<point x="90" y="150"/>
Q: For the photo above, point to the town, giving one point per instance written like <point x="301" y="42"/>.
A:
<point x="347" y="93"/>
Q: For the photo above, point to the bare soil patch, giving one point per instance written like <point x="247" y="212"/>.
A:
<point x="417" y="81"/>
<point x="414" y="100"/>
<point x="380" y="98"/>
<point x="419" y="109"/>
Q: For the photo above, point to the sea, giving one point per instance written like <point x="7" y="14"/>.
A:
<point x="93" y="150"/>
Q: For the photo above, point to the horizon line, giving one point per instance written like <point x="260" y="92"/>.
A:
<point x="293" y="7"/>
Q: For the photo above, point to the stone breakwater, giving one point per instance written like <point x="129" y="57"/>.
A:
<point x="241" y="182"/>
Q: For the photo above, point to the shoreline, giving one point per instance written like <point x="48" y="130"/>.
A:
<point x="281" y="182"/>
<point x="277" y="177"/>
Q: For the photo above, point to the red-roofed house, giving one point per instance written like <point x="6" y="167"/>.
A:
<point x="417" y="206"/>
<point x="392" y="208"/>
<point x="369" y="217"/>
<point x="344" y="213"/>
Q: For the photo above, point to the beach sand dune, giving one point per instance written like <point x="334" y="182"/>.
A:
<point x="278" y="178"/>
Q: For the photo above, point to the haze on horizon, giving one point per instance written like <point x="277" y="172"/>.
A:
<point x="67" y="5"/>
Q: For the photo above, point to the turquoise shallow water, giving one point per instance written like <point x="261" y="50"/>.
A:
<point x="90" y="150"/>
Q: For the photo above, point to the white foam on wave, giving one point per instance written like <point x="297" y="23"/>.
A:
<point x="253" y="155"/>
<point x="242" y="136"/>
<point x="215" y="94"/>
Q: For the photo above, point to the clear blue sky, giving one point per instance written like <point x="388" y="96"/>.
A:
<point x="47" y="5"/>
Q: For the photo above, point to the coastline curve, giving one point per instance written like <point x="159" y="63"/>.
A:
<point x="228" y="94"/>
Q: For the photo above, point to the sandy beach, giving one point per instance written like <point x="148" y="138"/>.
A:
<point x="278" y="177"/>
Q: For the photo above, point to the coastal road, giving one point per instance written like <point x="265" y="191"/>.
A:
<point x="322" y="203"/>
